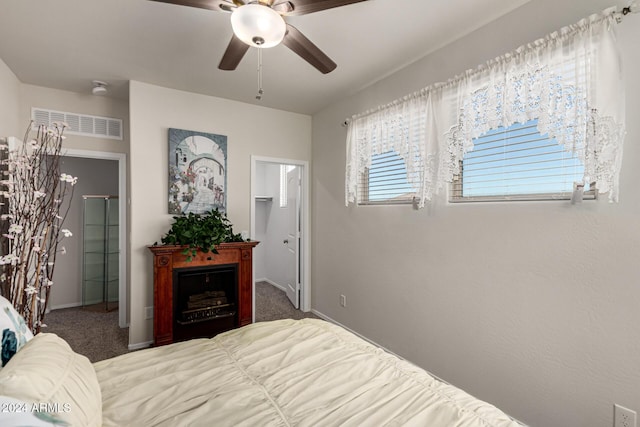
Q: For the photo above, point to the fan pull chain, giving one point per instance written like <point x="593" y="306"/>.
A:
<point x="260" y="91"/>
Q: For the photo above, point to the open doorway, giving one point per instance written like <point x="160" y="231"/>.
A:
<point x="280" y="221"/>
<point x="102" y="174"/>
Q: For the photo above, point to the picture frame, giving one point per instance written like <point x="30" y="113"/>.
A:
<point x="197" y="172"/>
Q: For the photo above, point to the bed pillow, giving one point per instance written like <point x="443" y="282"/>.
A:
<point x="14" y="330"/>
<point x="47" y="373"/>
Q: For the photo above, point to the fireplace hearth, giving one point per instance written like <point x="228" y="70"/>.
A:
<point x="203" y="297"/>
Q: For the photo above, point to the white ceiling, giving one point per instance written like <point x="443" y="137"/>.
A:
<point x="65" y="44"/>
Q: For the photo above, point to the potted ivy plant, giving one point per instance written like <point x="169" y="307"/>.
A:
<point x="200" y="232"/>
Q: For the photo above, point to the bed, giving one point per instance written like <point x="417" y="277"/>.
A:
<point x="282" y="373"/>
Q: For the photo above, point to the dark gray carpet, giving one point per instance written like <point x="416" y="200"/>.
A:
<point x="97" y="335"/>
<point x="273" y="304"/>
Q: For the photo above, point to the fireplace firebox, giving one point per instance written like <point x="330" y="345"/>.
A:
<point x="210" y="294"/>
<point x="204" y="300"/>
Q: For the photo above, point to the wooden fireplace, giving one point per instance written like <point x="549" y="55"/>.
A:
<point x="213" y="305"/>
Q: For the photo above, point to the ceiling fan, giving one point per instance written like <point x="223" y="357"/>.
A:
<point x="260" y="23"/>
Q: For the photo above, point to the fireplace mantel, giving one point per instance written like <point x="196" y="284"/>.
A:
<point x="170" y="257"/>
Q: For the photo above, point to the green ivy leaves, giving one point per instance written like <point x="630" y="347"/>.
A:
<point x="201" y="232"/>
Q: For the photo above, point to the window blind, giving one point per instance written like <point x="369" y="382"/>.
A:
<point x="386" y="181"/>
<point x="518" y="163"/>
<point x="284" y="170"/>
<point x="570" y="81"/>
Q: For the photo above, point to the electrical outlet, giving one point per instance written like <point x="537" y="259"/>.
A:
<point x="343" y="301"/>
<point x="623" y="417"/>
<point x="148" y="312"/>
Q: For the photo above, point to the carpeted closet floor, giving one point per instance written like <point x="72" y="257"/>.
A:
<point x="96" y="334"/>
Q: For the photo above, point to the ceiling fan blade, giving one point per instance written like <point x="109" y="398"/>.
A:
<point x="303" y="7"/>
<point x="218" y="5"/>
<point x="297" y="42"/>
<point x="234" y="54"/>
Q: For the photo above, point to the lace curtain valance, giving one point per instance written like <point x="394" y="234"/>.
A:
<point x="570" y="81"/>
<point x="400" y="128"/>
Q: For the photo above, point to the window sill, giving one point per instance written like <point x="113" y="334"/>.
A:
<point x="524" y="198"/>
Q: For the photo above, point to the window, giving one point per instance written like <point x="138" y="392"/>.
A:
<point x="386" y="181"/>
<point x="518" y="163"/>
<point x="284" y="170"/>
<point x="571" y="80"/>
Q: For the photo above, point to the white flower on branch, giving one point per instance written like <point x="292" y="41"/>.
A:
<point x="39" y="194"/>
<point x="6" y="216"/>
<point x="66" y="232"/>
<point x="15" y="229"/>
<point x="63" y="251"/>
<point x="9" y="259"/>
<point x="68" y="178"/>
<point x="49" y="283"/>
<point x="30" y="290"/>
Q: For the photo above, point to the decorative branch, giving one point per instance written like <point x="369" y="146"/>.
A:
<point x="34" y="195"/>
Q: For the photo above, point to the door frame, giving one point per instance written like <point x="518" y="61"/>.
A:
<point x="121" y="158"/>
<point x="305" y="258"/>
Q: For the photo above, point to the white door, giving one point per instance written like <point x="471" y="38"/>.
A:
<point x="292" y="240"/>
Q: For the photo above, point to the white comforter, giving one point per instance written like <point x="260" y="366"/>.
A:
<point x="281" y="373"/>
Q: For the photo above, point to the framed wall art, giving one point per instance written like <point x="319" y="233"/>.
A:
<point x="197" y="172"/>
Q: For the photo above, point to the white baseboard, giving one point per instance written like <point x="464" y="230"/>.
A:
<point x="140" y="345"/>
<point x="335" y="322"/>
<point x="329" y="319"/>
<point x="272" y="283"/>
<point x="61" y="306"/>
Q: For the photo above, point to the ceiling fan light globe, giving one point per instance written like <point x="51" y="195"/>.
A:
<point x="258" y="25"/>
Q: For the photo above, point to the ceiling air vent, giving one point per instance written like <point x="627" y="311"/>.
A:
<point x="80" y="124"/>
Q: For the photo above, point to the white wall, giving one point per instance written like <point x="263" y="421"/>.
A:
<point x="531" y="306"/>
<point x="250" y="130"/>
<point x="95" y="176"/>
<point x="10" y="90"/>
<point x="82" y="103"/>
